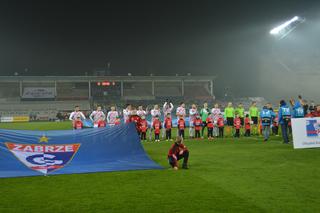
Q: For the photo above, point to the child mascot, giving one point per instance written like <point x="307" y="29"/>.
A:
<point x="178" y="151"/>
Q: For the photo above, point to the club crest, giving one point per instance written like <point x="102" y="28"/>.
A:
<point x="313" y="128"/>
<point x="43" y="158"/>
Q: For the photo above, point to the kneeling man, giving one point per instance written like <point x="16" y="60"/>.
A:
<point x="178" y="151"/>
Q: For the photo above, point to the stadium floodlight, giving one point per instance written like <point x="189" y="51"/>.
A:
<point x="277" y="30"/>
<point x="287" y="27"/>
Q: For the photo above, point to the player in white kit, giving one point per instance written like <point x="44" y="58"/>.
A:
<point x="96" y="116"/>
<point x="167" y="110"/>
<point x="181" y="112"/>
<point x="112" y="116"/>
<point x="76" y="114"/>
<point x="126" y="113"/>
<point x="192" y="116"/>
<point x="141" y="112"/>
<point x="216" y="114"/>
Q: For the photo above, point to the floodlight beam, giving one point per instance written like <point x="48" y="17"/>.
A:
<point x="278" y="29"/>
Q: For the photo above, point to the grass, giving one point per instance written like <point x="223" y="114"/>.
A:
<point x="225" y="175"/>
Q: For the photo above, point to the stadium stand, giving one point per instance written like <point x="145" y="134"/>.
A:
<point x="43" y="97"/>
<point x="197" y="89"/>
<point x="168" y="89"/>
<point x="72" y="91"/>
<point x="138" y="91"/>
<point x="40" y="110"/>
<point x="9" y="90"/>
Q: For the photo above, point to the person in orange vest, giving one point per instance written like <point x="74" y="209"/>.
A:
<point x="197" y="123"/>
<point x="210" y="125"/>
<point x="168" y="126"/>
<point x="247" y="126"/>
<point x="143" y="128"/>
<point x="77" y="124"/>
<point x="181" y="126"/>
<point x="157" y="128"/>
<point x="237" y="126"/>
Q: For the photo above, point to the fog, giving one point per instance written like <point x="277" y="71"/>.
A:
<point x="230" y="40"/>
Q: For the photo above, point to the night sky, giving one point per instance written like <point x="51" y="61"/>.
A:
<point x="223" y="38"/>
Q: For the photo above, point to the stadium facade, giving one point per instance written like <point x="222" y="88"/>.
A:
<point x="48" y="94"/>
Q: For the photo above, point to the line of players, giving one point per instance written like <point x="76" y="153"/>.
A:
<point x="234" y="120"/>
<point x="131" y="114"/>
<point x="212" y="120"/>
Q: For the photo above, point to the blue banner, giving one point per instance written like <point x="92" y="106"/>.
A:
<point x="33" y="153"/>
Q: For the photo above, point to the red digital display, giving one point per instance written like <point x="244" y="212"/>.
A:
<point x="106" y="83"/>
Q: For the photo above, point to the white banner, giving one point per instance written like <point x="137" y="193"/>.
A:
<point x="6" y="119"/>
<point x="38" y="92"/>
<point x="306" y="132"/>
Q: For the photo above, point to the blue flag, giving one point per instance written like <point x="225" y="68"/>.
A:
<point x="32" y="153"/>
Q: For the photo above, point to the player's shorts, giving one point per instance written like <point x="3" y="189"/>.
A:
<point x="230" y="121"/>
<point x="254" y="120"/>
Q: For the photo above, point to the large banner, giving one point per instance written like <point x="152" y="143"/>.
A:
<point x="38" y="93"/>
<point x="306" y="132"/>
<point x="33" y="153"/>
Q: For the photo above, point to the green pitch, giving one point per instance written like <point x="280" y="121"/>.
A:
<point x="229" y="175"/>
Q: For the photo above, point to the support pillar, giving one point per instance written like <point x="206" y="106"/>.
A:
<point x="121" y="88"/>
<point x="89" y="92"/>
<point x="153" y="93"/>
<point x="182" y="88"/>
<point x="20" y="86"/>
<point x="55" y="89"/>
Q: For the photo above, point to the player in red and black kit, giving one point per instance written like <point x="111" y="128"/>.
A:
<point x="317" y="112"/>
<point x="178" y="151"/>
<point x="275" y="125"/>
<point x="77" y="124"/>
<point x="197" y="123"/>
<point x="220" y="124"/>
<point x="237" y="125"/>
<point x="157" y="127"/>
<point x="247" y="126"/>
<point x="102" y="123"/>
<point x="210" y="126"/>
<point x="168" y="126"/>
<point x="181" y="126"/>
<point x="143" y="128"/>
<point x="136" y="119"/>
